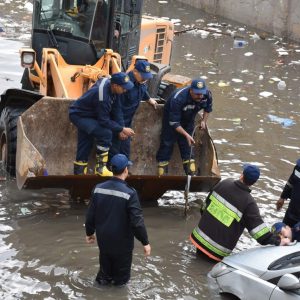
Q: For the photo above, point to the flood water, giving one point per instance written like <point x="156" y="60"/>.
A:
<point x="43" y="254"/>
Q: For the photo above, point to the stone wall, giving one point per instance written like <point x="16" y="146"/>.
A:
<point x="279" y="17"/>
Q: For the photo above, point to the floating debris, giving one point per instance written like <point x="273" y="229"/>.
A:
<point x="237" y="80"/>
<point x="223" y="84"/>
<point x="243" y="98"/>
<point x="285" y="122"/>
<point x="248" y="54"/>
<point x="281" y="85"/>
<point x="265" y="94"/>
<point x="260" y="77"/>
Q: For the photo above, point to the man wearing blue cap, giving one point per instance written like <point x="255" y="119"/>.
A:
<point x="228" y="210"/>
<point x="115" y="214"/>
<point x="285" y="231"/>
<point x="179" y="123"/>
<point x="130" y="102"/>
<point x="291" y="191"/>
<point x="97" y="114"/>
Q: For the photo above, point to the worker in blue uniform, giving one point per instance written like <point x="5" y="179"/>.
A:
<point x="131" y="101"/>
<point x="115" y="215"/>
<point x="291" y="191"/>
<point x="97" y="114"/>
<point x="179" y="123"/>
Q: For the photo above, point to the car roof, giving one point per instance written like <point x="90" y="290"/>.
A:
<point x="258" y="259"/>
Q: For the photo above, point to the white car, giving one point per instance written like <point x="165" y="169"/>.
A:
<point x="261" y="273"/>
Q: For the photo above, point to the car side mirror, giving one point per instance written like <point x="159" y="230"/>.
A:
<point x="289" y="282"/>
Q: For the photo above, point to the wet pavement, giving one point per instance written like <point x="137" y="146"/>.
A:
<point x="42" y="246"/>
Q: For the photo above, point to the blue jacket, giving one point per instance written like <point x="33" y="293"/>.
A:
<point x="296" y="232"/>
<point x="181" y="109"/>
<point x="116" y="216"/>
<point x="101" y="104"/>
<point x="132" y="98"/>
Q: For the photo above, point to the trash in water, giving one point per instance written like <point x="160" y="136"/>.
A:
<point x="238" y="43"/>
<point x="281" y="85"/>
<point x="275" y="79"/>
<point x="223" y="83"/>
<point x="260" y="77"/>
<point x="248" y="54"/>
<point x="285" y="122"/>
<point x="255" y="36"/>
<point x="265" y="94"/>
<point x="237" y="80"/>
<point x="25" y="211"/>
<point x="162" y="2"/>
<point x="243" y="98"/>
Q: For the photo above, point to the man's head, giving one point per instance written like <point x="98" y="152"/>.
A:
<point x="119" y="163"/>
<point x="198" y="89"/>
<point x="142" y="71"/>
<point x="120" y="83"/>
<point x="251" y="174"/>
<point x="282" y="230"/>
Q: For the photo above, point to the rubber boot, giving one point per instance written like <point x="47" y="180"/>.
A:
<point x="101" y="161"/>
<point x="80" y="167"/>
<point x="162" y="168"/>
<point x="189" y="167"/>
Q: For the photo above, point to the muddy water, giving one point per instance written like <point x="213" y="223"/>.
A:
<point x="43" y="253"/>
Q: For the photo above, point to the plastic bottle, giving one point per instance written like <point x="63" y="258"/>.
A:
<point x="238" y="43"/>
<point x="281" y="85"/>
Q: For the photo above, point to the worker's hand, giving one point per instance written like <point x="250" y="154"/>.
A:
<point x="147" y="250"/>
<point x="128" y="131"/>
<point x="153" y="103"/>
<point x="279" y="204"/>
<point x="123" y="136"/>
<point x="90" y="239"/>
<point x="285" y="241"/>
<point x="202" y="124"/>
<point x="190" y="140"/>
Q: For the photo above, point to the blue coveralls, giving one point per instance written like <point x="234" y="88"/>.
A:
<point x="180" y="110"/>
<point x="96" y="114"/>
<point x="115" y="214"/>
<point x="292" y="191"/>
<point x="130" y="102"/>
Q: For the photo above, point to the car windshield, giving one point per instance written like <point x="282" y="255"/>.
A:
<point x="82" y="18"/>
<point x="285" y="262"/>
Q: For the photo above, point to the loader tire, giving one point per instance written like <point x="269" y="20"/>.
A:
<point x="8" y="140"/>
<point x="165" y="90"/>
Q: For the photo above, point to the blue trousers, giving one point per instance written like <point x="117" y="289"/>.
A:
<point x="89" y="131"/>
<point x="168" y="138"/>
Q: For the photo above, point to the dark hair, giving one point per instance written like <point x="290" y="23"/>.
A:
<point x="247" y="181"/>
<point x="119" y="172"/>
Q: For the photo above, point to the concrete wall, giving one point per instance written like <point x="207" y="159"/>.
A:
<point x="280" y="17"/>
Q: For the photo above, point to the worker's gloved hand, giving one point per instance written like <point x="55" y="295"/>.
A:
<point x="147" y="250"/>
<point x="279" y="204"/>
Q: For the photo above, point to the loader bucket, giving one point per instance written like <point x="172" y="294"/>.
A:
<point x="46" y="148"/>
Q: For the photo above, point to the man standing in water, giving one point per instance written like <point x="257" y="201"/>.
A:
<point x="229" y="209"/>
<point x="116" y="216"/>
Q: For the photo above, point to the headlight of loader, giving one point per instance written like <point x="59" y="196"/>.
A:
<point x="27" y="58"/>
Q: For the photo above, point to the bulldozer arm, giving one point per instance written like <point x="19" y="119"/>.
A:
<point x="47" y="145"/>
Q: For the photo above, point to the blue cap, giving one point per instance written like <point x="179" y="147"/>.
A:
<point x="251" y="172"/>
<point x="298" y="163"/>
<point x="198" y="86"/>
<point x="122" y="80"/>
<point x="119" y="162"/>
<point x="276" y="228"/>
<point x="143" y="67"/>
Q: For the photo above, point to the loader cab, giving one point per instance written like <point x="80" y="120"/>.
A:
<point x="81" y="29"/>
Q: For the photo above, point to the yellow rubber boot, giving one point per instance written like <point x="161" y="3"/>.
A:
<point x="189" y="167"/>
<point x="80" y="167"/>
<point x="162" y="168"/>
<point x="101" y="168"/>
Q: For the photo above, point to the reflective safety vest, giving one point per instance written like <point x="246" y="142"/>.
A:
<point x="229" y="209"/>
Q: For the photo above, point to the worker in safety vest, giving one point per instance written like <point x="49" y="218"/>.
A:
<point x="229" y="209"/>
<point x="97" y="114"/>
<point x="179" y="123"/>
<point x="130" y="102"/>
